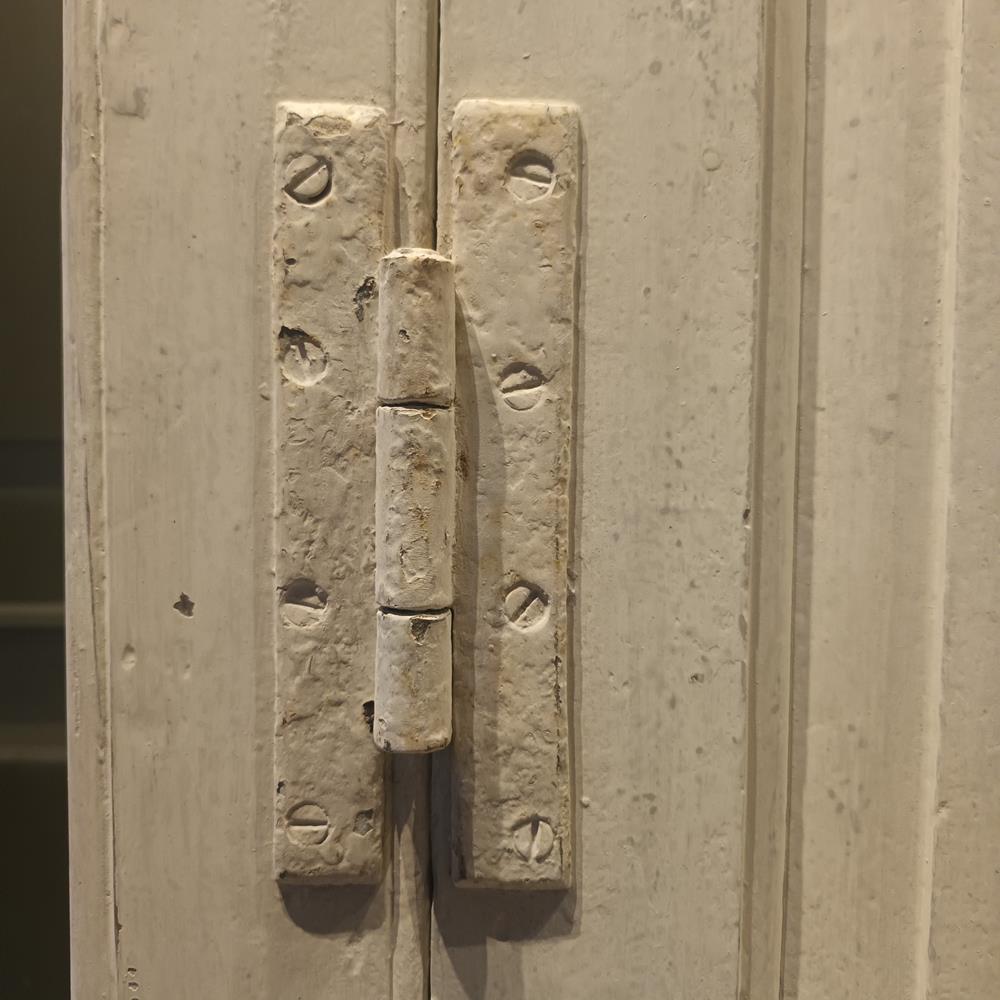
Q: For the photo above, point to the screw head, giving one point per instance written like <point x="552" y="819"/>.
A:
<point x="534" y="839"/>
<point x="303" y="360"/>
<point x="530" y="175"/>
<point x="526" y="605"/>
<point x="521" y="386"/>
<point x="308" y="178"/>
<point x="308" y="825"/>
<point x="303" y="602"/>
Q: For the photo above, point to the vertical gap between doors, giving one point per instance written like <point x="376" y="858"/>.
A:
<point x="772" y="508"/>
<point x="414" y="121"/>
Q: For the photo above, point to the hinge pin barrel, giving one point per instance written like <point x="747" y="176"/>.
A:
<point x="415" y="501"/>
<point x="416" y="329"/>
<point x="413" y="681"/>
<point x="414" y="507"/>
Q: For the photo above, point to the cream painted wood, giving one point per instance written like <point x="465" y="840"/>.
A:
<point x="874" y="419"/>
<point x="669" y="228"/>
<point x="168" y="179"/>
<point x="785" y="695"/>
<point x="964" y="945"/>
<point x="91" y="844"/>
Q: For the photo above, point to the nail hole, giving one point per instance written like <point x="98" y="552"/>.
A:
<point x="184" y="605"/>
<point x="419" y="627"/>
<point x="364" y="295"/>
<point x="364" y="822"/>
<point x="368" y="712"/>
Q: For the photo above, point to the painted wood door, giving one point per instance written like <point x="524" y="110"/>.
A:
<point x="783" y="501"/>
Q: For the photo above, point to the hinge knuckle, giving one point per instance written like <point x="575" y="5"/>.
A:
<point x="414" y="507"/>
<point x="414" y="501"/>
<point x="416" y="328"/>
<point x="413" y="681"/>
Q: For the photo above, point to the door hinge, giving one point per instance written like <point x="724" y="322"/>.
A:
<point x="423" y="440"/>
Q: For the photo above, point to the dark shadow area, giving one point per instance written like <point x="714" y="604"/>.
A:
<point x="334" y="909"/>
<point x="34" y="905"/>
<point x="805" y="500"/>
<point x="469" y="918"/>
<point x="34" y="917"/>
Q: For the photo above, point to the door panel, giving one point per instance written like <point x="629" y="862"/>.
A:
<point x="873" y="422"/>
<point x="964" y="807"/>
<point x="172" y="381"/>
<point x="669" y="222"/>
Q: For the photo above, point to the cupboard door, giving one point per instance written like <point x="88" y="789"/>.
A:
<point x="668" y="234"/>
<point x="169" y="127"/>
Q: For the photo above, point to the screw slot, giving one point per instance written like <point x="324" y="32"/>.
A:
<point x="308" y="179"/>
<point x="303" y="602"/>
<point x="521" y="386"/>
<point x="530" y="175"/>
<point x="526" y="605"/>
<point x="303" y="360"/>
<point x="308" y="825"/>
<point x="534" y="839"/>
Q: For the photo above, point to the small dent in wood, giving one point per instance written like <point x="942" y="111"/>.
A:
<point x="184" y="605"/>
<point x="364" y="822"/>
<point x="368" y="713"/>
<point x="364" y="295"/>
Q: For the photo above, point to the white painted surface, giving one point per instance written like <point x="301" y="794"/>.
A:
<point x="669" y="228"/>
<point x="169" y="120"/>
<point x="705" y="176"/>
